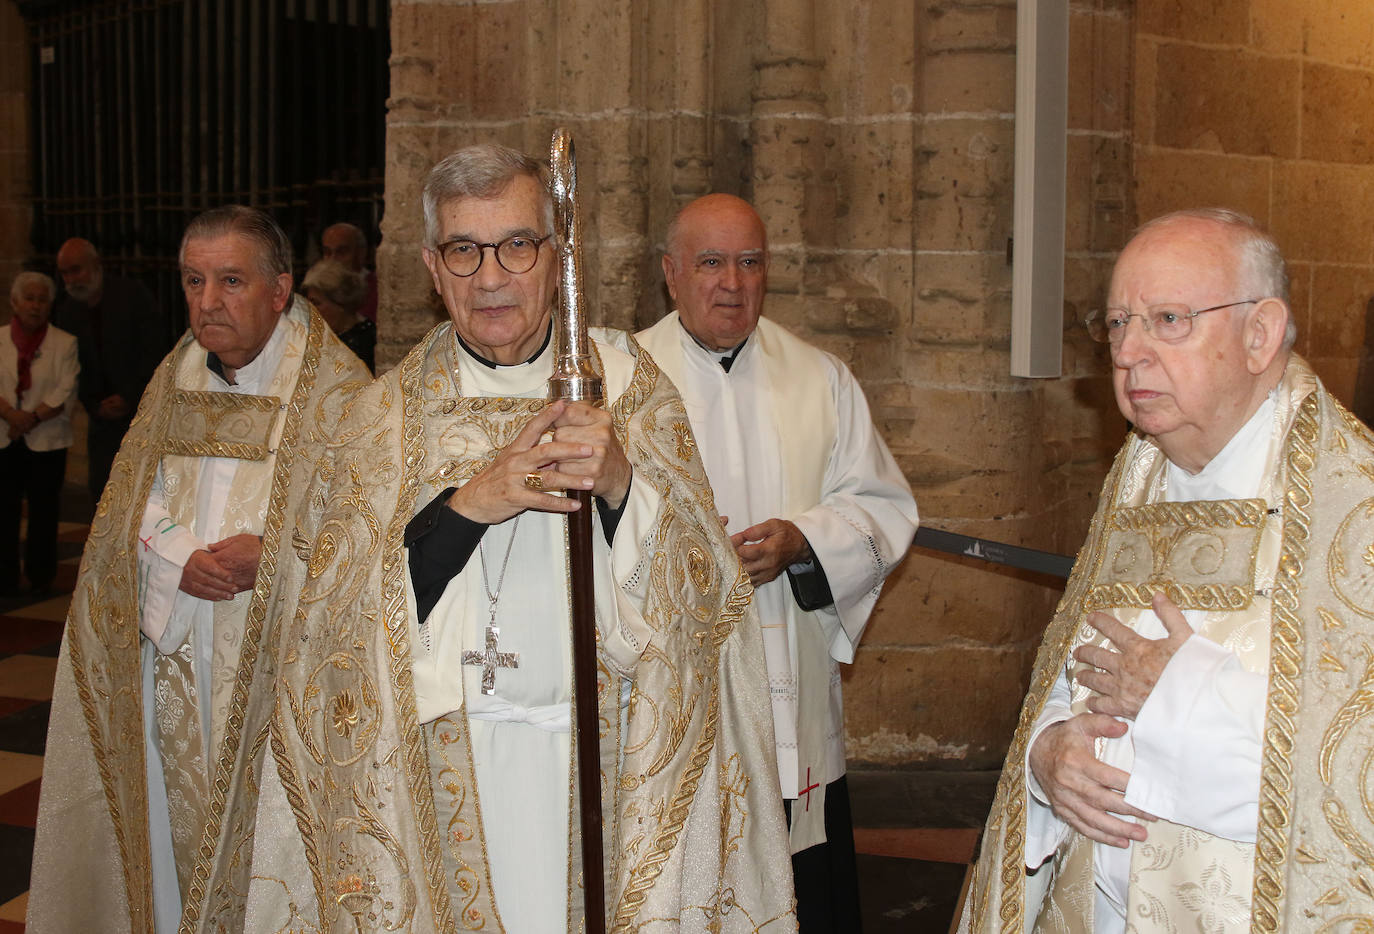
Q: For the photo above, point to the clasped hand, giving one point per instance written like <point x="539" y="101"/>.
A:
<point x="768" y="548"/>
<point x="1084" y="792"/>
<point x="223" y="569"/>
<point x="20" y="422"/>
<point x="585" y="454"/>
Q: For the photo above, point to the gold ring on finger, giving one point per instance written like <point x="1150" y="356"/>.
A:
<point x="534" y="481"/>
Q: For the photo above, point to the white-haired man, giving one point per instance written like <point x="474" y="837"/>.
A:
<point x="345" y="243"/>
<point x="1190" y="755"/>
<point x="165" y="684"/>
<point x="435" y="626"/>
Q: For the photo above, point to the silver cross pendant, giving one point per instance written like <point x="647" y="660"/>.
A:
<point x="491" y="659"/>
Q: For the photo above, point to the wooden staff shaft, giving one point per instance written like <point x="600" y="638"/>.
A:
<point x="574" y="378"/>
<point x="588" y="725"/>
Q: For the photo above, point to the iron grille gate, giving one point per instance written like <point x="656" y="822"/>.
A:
<point x="147" y="112"/>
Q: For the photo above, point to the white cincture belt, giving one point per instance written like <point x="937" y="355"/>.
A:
<point x="553" y="718"/>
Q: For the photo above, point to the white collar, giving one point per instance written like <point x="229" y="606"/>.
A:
<point x="1238" y="470"/>
<point x="521" y="380"/>
<point x="255" y="375"/>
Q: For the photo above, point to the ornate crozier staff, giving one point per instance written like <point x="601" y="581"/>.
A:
<point x="574" y="379"/>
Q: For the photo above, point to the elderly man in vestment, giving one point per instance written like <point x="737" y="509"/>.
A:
<point x="817" y="509"/>
<point x="1193" y="753"/>
<point x="165" y="682"/>
<point x="424" y="731"/>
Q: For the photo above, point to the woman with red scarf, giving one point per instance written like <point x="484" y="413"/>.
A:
<point x="38" y="370"/>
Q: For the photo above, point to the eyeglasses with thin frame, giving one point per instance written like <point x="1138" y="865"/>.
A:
<point x="1166" y="322"/>
<point x="515" y="254"/>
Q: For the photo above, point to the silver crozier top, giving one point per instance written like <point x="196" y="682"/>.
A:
<point x="573" y="377"/>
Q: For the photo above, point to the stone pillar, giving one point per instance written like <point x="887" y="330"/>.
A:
<point x="786" y="121"/>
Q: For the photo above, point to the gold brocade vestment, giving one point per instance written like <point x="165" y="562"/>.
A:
<point x="1300" y="580"/>
<point x="388" y="805"/>
<point x="92" y="854"/>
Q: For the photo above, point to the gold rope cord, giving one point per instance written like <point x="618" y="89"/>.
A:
<point x="1285" y="663"/>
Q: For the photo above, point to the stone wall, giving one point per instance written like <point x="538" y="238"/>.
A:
<point x="1268" y="107"/>
<point x="16" y="210"/>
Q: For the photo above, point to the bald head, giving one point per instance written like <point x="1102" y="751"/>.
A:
<point x="1193" y="391"/>
<point x="346" y="244"/>
<point x="716" y="268"/>
<point x="78" y="264"/>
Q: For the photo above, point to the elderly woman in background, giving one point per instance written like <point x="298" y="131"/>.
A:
<point x="38" y="370"/>
<point x="338" y="292"/>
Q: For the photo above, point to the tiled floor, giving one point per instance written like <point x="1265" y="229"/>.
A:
<point x="30" y="634"/>
<point x="910" y="876"/>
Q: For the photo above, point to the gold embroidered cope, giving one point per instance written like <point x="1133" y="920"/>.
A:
<point x="96" y="732"/>
<point x="388" y="806"/>
<point x="1312" y="866"/>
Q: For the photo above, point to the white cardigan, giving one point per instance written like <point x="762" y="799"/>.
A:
<point x="53" y="381"/>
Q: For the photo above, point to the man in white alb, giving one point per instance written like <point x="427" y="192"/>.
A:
<point x="818" y="512"/>
<point x="1191" y="751"/>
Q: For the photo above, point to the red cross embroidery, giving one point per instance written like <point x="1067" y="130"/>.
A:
<point x="812" y="786"/>
<point x="147" y="542"/>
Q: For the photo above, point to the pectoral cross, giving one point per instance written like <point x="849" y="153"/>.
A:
<point x="490" y="660"/>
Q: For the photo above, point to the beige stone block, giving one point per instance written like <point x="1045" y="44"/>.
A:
<point x="1340" y="295"/>
<point x="594" y="38"/>
<point x="974" y="27"/>
<point x="1300" y="291"/>
<point x="1341" y="32"/>
<point x="1145" y="89"/>
<point x="936" y="707"/>
<point x="1337" y="114"/>
<point x="15" y="56"/>
<point x="1171" y="180"/>
<point x="15" y="180"/>
<point x="1326" y="213"/>
<point x="972" y="82"/>
<point x="405" y="281"/>
<point x="972" y="368"/>
<point x="863" y="276"/>
<point x="735" y="39"/>
<point x="1215" y="21"/>
<point x="964" y="174"/>
<point x="935" y="598"/>
<point x="1080" y="184"/>
<point x="458" y="60"/>
<point x="870" y="56"/>
<point x="1278" y="26"/>
<point x="962" y="299"/>
<point x="14" y="121"/>
<point x="1338" y="374"/>
<point x="1099" y="69"/>
<point x="1230" y="101"/>
<point x="871" y="165"/>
